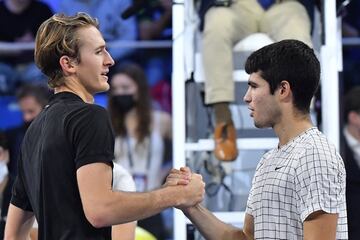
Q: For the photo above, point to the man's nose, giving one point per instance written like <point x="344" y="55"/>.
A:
<point x="247" y="97"/>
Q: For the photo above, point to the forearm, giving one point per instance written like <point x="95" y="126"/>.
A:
<point x="123" y="207"/>
<point x="17" y="235"/>
<point x="104" y="207"/>
<point x="211" y="227"/>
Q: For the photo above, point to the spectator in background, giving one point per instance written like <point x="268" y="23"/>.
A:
<point x="31" y="100"/>
<point x="155" y="20"/>
<point x="141" y="134"/>
<point x="4" y="159"/>
<point x="351" y="54"/>
<point x="351" y="156"/>
<point x="154" y="23"/>
<point x="19" y="21"/>
<point x="224" y="23"/>
<point x="112" y="27"/>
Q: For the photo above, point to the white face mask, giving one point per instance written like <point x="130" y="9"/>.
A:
<point x="3" y="170"/>
<point x="4" y="157"/>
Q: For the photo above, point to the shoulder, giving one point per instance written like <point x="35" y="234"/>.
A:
<point x="89" y="109"/>
<point x="86" y="114"/>
<point x="317" y="152"/>
<point x="93" y="111"/>
<point x="94" y="108"/>
<point x="316" y="142"/>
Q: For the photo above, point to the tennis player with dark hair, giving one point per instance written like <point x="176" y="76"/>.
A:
<point x="298" y="189"/>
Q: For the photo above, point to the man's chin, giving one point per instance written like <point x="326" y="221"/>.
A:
<point x="104" y="88"/>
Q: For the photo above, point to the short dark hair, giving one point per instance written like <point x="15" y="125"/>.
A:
<point x="352" y="102"/>
<point x="289" y="60"/>
<point x="39" y="92"/>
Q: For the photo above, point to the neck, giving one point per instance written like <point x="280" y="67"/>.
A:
<point x="354" y="131"/>
<point x="76" y="88"/>
<point x="291" y="127"/>
<point x="17" y="6"/>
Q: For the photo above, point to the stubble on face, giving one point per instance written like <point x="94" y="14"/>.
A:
<point x="265" y="109"/>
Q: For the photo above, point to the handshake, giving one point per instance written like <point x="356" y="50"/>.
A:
<point x="191" y="188"/>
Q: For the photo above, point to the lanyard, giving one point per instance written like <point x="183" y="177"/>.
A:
<point x="130" y="155"/>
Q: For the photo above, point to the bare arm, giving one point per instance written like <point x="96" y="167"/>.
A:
<point x="125" y="231"/>
<point x="104" y="207"/>
<point x="18" y="223"/>
<point x="212" y="228"/>
<point x="320" y="226"/>
<point x="208" y="225"/>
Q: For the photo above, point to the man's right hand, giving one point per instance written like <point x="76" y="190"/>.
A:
<point x="191" y="186"/>
<point x="178" y="177"/>
<point x="193" y="193"/>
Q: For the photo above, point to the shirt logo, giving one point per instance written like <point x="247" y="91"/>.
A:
<point x="277" y="168"/>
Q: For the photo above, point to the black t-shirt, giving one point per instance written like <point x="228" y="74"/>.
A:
<point x="66" y="135"/>
<point x="13" y="26"/>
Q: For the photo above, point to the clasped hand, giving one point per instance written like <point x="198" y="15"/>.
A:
<point x="192" y="184"/>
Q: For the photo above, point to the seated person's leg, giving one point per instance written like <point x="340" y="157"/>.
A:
<point x="287" y="20"/>
<point x="224" y="27"/>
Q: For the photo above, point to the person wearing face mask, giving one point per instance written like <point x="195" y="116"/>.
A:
<point x="31" y="100"/>
<point x="4" y="159"/>
<point x="4" y="171"/>
<point x="142" y="133"/>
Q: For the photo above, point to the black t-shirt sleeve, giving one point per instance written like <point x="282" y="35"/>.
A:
<point x="91" y="135"/>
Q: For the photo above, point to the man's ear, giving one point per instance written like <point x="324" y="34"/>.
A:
<point x="285" y="90"/>
<point x="67" y="65"/>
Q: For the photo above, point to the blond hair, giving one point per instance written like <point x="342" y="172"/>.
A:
<point x="57" y="37"/>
